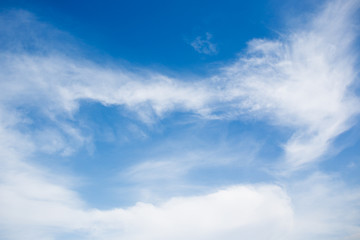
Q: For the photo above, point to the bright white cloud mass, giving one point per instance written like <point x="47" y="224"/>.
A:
<point x="304" y="81"/>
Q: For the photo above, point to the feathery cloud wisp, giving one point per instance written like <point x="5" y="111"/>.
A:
<point x="301" y="81"/>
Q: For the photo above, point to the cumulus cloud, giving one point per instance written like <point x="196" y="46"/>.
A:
<point x="317" y="207"/>
<point x="232" y="212"/>
<point x="36" y="203"/>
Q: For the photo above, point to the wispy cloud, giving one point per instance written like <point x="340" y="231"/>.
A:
<point x="203" y="44"/>
<point x="301" y="81"/>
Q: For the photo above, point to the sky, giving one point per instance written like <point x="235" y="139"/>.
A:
<point x="172" y="120"/>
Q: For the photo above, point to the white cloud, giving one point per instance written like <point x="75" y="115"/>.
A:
<point x="318" y="207"/>
<point x="204" y="45"/>
<point x="232" y="212"/>
<point x="325" y="208"/>
<point x="301" y="81"/>
<point x="43" y="209"/>
<point x="36" y="203"/>
<point x="63" y="82"/>
<point x="40" y="204"/>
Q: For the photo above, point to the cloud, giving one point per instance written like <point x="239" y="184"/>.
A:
<point x="38" y="203"/>
<point x="64" y="82"/>
<point x="325" y="208"/>
<point x="43" y="208"/>
<point x="319" y="206"/>
<point x="204" y="45"/>
<point x="179" y="158"/>
<point x="33" y="200"/>
<point x="232" y="212"/>
<point x="302" y="81"/>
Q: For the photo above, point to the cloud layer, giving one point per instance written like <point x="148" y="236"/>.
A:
<point x="301" y="81"/>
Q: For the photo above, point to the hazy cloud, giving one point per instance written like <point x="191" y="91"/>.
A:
<point x="203" y="44"/>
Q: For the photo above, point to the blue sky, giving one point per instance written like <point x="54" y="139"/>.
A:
<point x="156" y="32"/>
<point x="179" y="120"/>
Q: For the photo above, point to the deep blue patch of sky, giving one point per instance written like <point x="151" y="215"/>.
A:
<point x="158" y="33"/>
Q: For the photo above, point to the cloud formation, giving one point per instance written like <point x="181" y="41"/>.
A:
<point x="204" y="45"/>
<point x="301" y="81"/>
